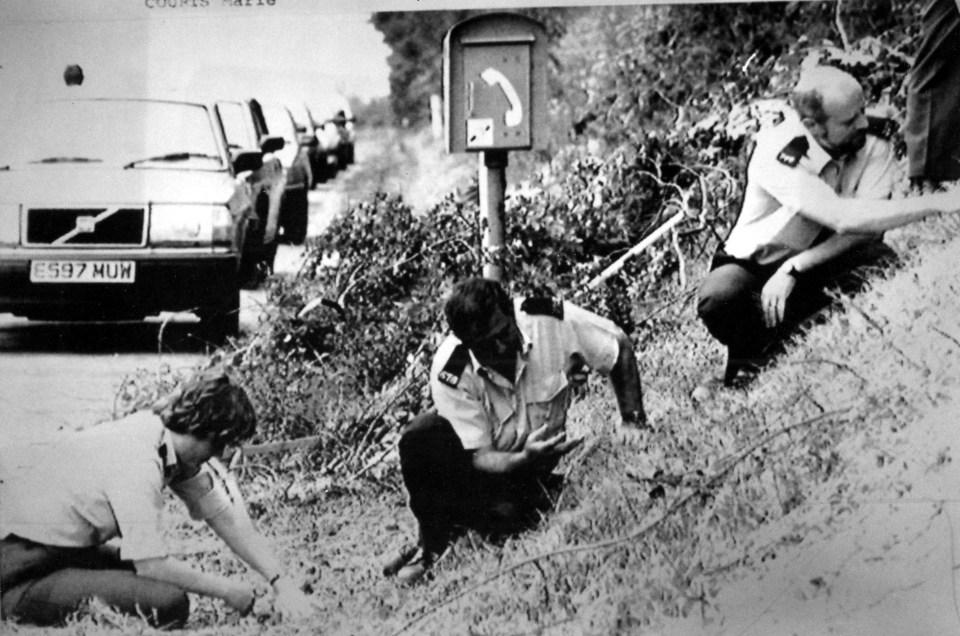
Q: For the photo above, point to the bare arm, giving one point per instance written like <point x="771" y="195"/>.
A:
<point x="850" y="216"/>
<point x="170" y="570"/>
<point x="533" y="450"/>
<point x="829" y="249"/>
<point x="235" y="527"/>
<point x="625" y="379"/>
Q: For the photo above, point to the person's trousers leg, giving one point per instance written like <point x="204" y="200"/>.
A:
<point x="728" y="303"/>
<point x="44" y="584"/>
<point x="439" y="476"/>
<point x="847" y="274"/>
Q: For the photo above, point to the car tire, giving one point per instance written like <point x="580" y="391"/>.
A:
<point x="221" y="319"/>
<point x="295" y="220"/>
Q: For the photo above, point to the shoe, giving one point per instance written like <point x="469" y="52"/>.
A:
<point x="740" y="372"/>
<point x="740" y="377"/>
<point x="416" y="567"/>
<point x="406" y="553"/>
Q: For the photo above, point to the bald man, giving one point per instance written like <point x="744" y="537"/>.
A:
<point x="816" y="202"/>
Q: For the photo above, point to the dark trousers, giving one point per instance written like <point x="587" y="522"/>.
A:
<point x="42" y="584"/>
<point x="729" y="298"/>
<point x="932" y="129"/>
<point x="447" y="494"/>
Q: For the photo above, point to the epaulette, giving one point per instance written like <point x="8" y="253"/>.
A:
<point x="453" y="369"/>
<point x="881" y="127"/>
<point x="543" y="306"/>
<point x="794" y="151"/>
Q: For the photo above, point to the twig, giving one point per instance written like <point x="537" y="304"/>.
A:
<point x="839" y="365"/>
<point x="844" y="39"/>
<point x="953" y="561"/>
<point x="635" y="534"/>
<point x="376" y="460"/>
<point x="636" y="249"/>
<point x="947" y="336"/>
<point x="579" y="459"/>
<point x="681" y="262"/>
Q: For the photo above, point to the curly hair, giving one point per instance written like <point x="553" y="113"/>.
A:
<point x="471" y="303"/>
<point x="210" y="407"/>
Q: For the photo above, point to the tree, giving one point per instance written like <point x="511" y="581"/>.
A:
<point x="416" y="62"/>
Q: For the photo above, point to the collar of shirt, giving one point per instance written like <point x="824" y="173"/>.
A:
<point x="495" y="378"/>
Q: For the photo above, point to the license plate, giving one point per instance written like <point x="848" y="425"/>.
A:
<point x="83" y="271"/>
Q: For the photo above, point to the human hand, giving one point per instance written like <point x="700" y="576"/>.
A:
<point x="774" y="296"/>
<point x="240" y="597"/>
<point x="565" y="447"/>
<point x="535" y="448"/>
<point x="290" y="602"/>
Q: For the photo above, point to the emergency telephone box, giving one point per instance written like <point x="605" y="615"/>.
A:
<point x="495" y="83"/>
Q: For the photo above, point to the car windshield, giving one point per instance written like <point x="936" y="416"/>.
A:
<point x="128" y="133"/>
<point x="280" y="123"/>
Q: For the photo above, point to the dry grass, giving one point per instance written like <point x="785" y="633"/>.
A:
<point x="858" y="411"/>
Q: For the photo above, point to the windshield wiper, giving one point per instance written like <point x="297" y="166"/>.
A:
<point x="67" y="160"/>
<point x="173" y="156"/>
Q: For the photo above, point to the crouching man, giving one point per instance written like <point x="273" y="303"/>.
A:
<point x="59" y="512"/>
<point x="816" y="203"/>
<point x="501" y="385"/>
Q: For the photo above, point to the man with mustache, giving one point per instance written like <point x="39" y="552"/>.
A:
<point x="501" y="386"/>
<point x="816" y="202"/>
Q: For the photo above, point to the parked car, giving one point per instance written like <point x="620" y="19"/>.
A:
<point x="323" y="157"/>
<point x="122" y="208"/>
<point x="335" y="114"/>
<point x="246" y="130"/>
<point x="294" y="206"/>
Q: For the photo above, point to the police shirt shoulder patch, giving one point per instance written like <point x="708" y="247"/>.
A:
<point x="456" y="363"/>
<point x="543" y="306"/>
<point x="794" y="151"/>
<point x="881" y="127"/>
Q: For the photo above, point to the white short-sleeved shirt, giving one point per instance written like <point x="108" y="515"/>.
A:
<point x="485" y="409"/>
<point x="771" y="225"/>
<point x="102" y="483"/>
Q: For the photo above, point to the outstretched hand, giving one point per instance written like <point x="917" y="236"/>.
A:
<point x="551" y="448"/>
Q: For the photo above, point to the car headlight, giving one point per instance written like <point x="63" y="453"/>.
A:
<point x="188" y="224"/>
<point x="9" y="223"/>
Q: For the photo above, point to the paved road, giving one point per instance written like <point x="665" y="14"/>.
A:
<point x="61" y="375"/>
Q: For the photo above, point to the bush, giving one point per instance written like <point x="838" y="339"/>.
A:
<point x="672" y="96"/>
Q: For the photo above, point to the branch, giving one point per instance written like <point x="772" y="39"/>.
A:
<point x="631" y="536"/>
<point x="637" y="249"/>
<point x="844" y="39"/>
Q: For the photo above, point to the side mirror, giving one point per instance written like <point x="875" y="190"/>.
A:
<point x="306" y="139"/>
<point x="247" y="160"/>
<point x="271" y="143"/>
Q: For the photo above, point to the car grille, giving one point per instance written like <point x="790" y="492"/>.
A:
<point x="86" y="227"/>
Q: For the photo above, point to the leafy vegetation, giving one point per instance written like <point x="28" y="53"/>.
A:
<point x="654" y="108"/>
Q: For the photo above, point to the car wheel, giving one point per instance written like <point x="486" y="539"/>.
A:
<point x="295" y="221"/>
<point x="221" y="319"/>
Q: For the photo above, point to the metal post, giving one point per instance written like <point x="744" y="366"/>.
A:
<point x="493" y="186"/>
